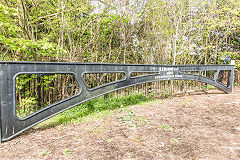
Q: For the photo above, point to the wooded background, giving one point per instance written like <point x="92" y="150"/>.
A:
<point x="119" y="31"/>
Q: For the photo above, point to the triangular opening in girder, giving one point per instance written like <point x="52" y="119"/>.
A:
<point x="223" y="77"/>
<point x="209" y="74"/>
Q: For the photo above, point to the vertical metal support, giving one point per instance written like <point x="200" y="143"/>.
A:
<point x="231" y="78"/>
<point x="216" y="75"/>
<point x="0" y="122"/>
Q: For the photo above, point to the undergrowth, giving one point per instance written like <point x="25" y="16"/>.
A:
<point x="91" y="108"/>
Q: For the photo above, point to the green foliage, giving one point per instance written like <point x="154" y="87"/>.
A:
<point x="17" y="46"/>
<point x="165" y="93"/>
<point x="232" y="55"/>
<point x="45" y="153"/>
<point x="172" y="140"/>
<point x="8" y="22"/>
<point x="66" y="152"/>
<point x="207" y="86"/>
<point x="28" y="103"/>
<point x="166" y="127"/>
<point x="186" y="101"/>
<point x="27" y="106"/>
<point x="95" y="106"/>
<point x="165" y="32"/>
<point x="128" y="117"/>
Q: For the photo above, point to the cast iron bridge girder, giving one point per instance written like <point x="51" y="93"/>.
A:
<point x="11" y="125"/>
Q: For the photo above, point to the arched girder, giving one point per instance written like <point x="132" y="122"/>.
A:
<point x="113" y="87"/>
<point x="11" y="125"/>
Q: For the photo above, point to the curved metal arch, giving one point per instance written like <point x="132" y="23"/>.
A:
<point x="12" y="126"/>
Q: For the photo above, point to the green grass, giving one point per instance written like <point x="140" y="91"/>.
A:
<point x="45" y="153"/>
<point x="166" y="127"/>
<point x="94" y="109"/>
<point x="208" y="86"/>
<point x="66" y="152"/>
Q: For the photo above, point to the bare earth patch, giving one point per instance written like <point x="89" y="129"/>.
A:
<point x="195" y="126"/>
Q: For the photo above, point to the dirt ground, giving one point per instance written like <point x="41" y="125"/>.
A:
<point x="202" y="125"/>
